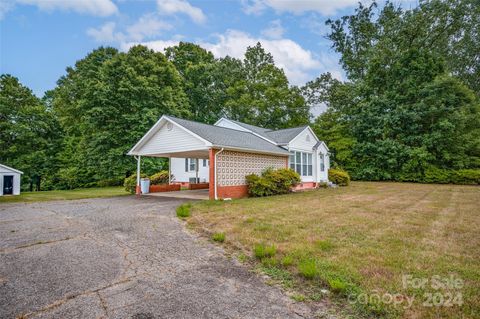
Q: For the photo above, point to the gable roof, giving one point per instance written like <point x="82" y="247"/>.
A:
<point x="11" y="169"/>
<point x="280" y="137"/>
<point x="227" y="137"/>
<point x="286" y="135"/>
<point x="217" y="136"/>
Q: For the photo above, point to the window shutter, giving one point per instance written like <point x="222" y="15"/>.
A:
<point x="186" y="165"/>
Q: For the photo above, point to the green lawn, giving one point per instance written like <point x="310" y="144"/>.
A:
<point x="65" y="194"/>
<point x="358" y="241"/>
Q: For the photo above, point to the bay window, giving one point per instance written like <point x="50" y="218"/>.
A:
<point x="301" y="162"/>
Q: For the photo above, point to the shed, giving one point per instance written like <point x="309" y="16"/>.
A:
<point x="9" y="180"/>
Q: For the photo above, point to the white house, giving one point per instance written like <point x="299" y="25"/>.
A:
<point x="9" y="180"/>
<point x="224" y="153"/>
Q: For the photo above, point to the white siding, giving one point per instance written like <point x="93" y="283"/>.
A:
<point x="226" y="123"/>
<point x="300" y="143"/>
<point x="16" y="180"/>
<point x="177" y="168"/>
<point x="322" y="176"/>
<point x="170" y="140"/>
<point x="305" y="141"/>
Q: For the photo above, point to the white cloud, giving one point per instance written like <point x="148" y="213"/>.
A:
<point x="181" y="6"/>
<point x="300" y="65"/>
<point x="106" y="33"/>
<point x="5" y="6"/>
<point x="274" y="31"/>
<point x="146" y="27"/>
<point x="100" y="8"/>
<point x="325" y="7"/>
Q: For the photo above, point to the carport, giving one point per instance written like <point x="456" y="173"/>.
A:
<point x="232" y="154"/>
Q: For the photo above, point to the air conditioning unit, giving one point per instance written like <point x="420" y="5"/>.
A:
<point x="194" y="180"/>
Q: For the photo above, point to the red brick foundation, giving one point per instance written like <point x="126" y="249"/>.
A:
<point x="198" y="186"/>
<point x="164" y="188"/>
<point x="232" y="191"/>
<point x="305" y="185"/>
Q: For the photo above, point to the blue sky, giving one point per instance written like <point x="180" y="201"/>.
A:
<point x="40" y="38"/>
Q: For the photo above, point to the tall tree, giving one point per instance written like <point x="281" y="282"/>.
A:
<point x="262" y="95"/>
<point x="197" y="68"/>
<point x="29" y="132"/>
<point x="397" y="61"/>
<point x="107" y="102"/>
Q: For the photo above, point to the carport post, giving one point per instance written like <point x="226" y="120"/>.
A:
<point x="138" y="189"/>
<point x="169" y="170"/>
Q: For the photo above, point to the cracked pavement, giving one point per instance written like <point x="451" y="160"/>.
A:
<point x="122" y="257"/>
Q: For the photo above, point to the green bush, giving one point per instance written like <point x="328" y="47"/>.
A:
<point x="466" y="177"/>
<point x="159" y="178"/>
<point x="272" y="182"/>
<point x="339" y="177"/>
<point x="183" y="210"/>
<point x="130" y="183"/>
<point x="218" y="237"/>
<point x="444" y="176"/>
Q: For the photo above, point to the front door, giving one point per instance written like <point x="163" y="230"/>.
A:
<point x="7" y="185"/>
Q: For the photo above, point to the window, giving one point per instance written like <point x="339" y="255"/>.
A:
<point x="322" y="162"/>
<point x="190" y="164"/>
<point x="301" y="162"/>
<point x="204" y="163"/>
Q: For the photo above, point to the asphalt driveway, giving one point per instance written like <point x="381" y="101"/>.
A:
<point x="122" y="257"/>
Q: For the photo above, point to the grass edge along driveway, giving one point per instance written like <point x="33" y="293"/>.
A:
<point x="362" y="240"/>
<point x="79" y="193"/>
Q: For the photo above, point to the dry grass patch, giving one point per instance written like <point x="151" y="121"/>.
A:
<point x="363" y="238"/>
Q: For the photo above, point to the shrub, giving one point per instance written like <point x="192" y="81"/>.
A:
<point x="339" y="177"/>
<point x="308" y="268"/>
<point x="218" y="237"/>
<point x="183" y="210"/>
<point x="262" y="251"/>
<point x="130" y="183"/>
<point x="159" y="178"/>
<point x="258" y="186"/>
<point x="272" y="182"/>
<point x="466" y="176"/>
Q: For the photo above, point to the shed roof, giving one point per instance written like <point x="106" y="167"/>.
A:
<point x="11" y="169"/>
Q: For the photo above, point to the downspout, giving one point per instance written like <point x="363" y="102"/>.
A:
<point x="215" y="173"/>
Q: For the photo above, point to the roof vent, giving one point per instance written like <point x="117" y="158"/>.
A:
<point x="169" y="126"/>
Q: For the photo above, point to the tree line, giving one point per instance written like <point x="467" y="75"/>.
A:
<point x="409" y="106"/>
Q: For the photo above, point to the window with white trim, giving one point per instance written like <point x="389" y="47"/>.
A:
<point x="322" y="162"/>
<point x="190" y="164"/>
<point x="301" y="162"/>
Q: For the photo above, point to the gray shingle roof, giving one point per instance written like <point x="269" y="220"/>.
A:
<point x="226" y="137"/>
<point x="286" y="135"/>
<point x="279" y="136"/>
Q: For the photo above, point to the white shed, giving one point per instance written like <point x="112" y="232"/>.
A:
<point x="9" y="180"/>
